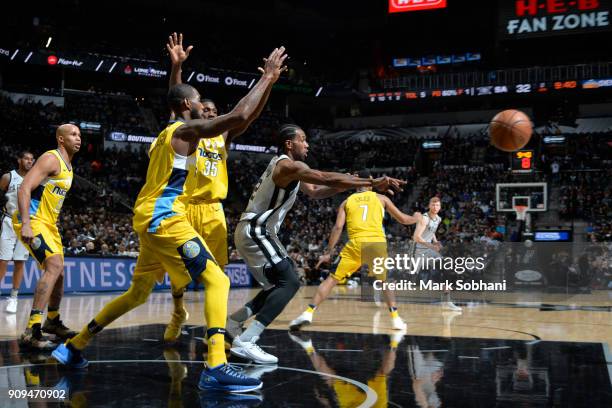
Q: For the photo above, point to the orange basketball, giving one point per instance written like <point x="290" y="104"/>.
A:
<point x="510" y="130"/>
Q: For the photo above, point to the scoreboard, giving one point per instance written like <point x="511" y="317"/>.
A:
<point x="523" y="161"/>
<point x="542" y="18"/>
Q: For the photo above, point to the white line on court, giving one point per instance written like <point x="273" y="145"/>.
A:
<point x="371" y="396"/>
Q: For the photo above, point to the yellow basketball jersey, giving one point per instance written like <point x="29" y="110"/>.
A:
<point x="211" y="170"/>
<point x="47" y="199"/>
<point x="364" y="216"/>
<point x="169" y="184"/>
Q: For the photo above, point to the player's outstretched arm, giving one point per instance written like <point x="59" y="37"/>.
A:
<point x="196" y="129"/>
<point x="319" y="192"/>
<point x="47" y="165"/>
<point x="334" y="235"/>
<point x="398" y="215"/>
<point x="178" y="55"/>
<point x="289" y="170"/>
<point x="234" y="133"/>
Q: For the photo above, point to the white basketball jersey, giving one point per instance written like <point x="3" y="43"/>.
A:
<point x="269" y="203"/>
<point x="431" y="228"/>
<point x="11" y="193"/>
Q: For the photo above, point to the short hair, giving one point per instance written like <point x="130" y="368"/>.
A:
<point x="208" y="100"/>
<point x="434" y="199"/>
<point x="286" y="132"/>
<point x="23" y="153"/>
<point x="178" y="93"/>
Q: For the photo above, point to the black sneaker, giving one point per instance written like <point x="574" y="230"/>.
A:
<point x="57" y="328"/>
<point x="31" y="341"/>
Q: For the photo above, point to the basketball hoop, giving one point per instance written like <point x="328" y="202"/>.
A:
<point x="521" y="212"/>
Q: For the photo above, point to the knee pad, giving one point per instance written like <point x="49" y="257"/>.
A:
<point x="283" y="274"/>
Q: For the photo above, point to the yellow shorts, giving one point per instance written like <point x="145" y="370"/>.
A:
<point x="379" y="384"/>
<point x="358" y="253"/>
<point x="208" y="219"/>
<point x="46" y="243"/>
<point x="348" y="395"/>
<point x="176" y="248"/>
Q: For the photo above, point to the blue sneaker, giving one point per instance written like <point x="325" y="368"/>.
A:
<point x="224" y="377"/>
<point x="68" y="357"/>
<point x="212" y="399"/>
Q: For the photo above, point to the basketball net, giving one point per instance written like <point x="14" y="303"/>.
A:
<point x="521" y="212"/>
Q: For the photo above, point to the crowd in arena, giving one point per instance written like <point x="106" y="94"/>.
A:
<point x="108" y="180"/>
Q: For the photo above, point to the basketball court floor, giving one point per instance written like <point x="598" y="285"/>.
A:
<point x="506" y="350"/>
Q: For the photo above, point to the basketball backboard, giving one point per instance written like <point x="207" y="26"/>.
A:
<point x="532" y="195"/>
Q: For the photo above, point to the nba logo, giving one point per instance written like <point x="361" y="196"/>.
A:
<point x="399" y="6"/>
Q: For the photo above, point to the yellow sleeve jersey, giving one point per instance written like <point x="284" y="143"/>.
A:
<point x="211" y="170"/>
<point x="364" y="216"/>
<point x="169" y="184"/>
<point x="48" y="198"/>
<point x="364" y="222"/>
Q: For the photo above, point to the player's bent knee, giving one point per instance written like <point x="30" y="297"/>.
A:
<point x="213" y="276"/>
<point x="141" y="287"/>
<point x="54" y="265"/>
<point x="285" y="275"/>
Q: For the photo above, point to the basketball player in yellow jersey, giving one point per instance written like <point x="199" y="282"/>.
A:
<point x="205" y="210"/>
<point x="39" y="202"/>
<point x="168" y="242"/>
<point x="363" y="213"/>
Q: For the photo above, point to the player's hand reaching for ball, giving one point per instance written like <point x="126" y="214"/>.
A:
<point x="27" y="235"/>
<point x="178" y="54"/>
<point x="388" y="184"/>
<point x="274" y="64"/>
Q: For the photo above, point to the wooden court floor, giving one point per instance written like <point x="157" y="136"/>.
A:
<point x="513" y="316"/>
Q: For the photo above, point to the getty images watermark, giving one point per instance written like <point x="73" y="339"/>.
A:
<point x="431" y="267"/>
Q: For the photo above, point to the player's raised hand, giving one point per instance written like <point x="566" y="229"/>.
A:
<point x="178" y="54"/>
<point x="388" y="184"/>
<point x="323" y="259"/>
<point x="274" y="64"/>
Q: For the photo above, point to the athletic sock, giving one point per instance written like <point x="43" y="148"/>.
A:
<point x="393" y="311"/>
<point x="178" y="300"/>
<point x="216" y="347"/>
<point x="36" y="317"/>
<point x="254" y="330"/>
<point x="14" y="293"/>
<point x="311" y="308"/>
<point x="52" y="313"/>
<point x="80" y="341"/>
<point x="242" y="314"/>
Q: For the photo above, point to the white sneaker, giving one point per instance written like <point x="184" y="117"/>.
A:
<point x="305" y="344"/>
<point x="302" y="320"/>
<point x="398" y="336"/>
<point x="399" y="324"/>
<point x="451" y="306"/>
<point x="249" y="350"/>
<point x="11" y="305"/>
<point x="256" y="371"/>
